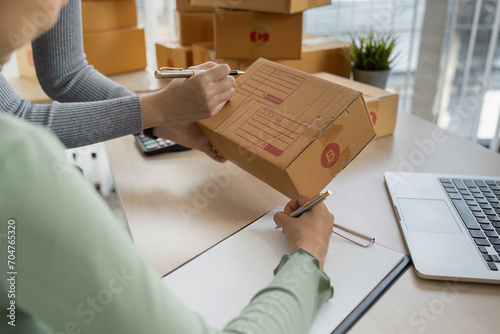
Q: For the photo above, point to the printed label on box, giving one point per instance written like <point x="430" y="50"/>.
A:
<point x="330" y="155"/>
<point x="373" y="116"/>
<point x="272" y="84"/>
<point x="259" y="36"/>
<point x="271" y="131"/>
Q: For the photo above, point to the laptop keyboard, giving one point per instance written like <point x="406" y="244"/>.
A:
<point x="478" y="203"/>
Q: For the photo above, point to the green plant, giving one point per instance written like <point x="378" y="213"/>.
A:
<point x="372" y="51"/>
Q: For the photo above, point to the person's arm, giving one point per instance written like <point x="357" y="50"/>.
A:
<point x="78" y="270"/>
<point x="61" y="65"/>
<point x="77" y="124"/>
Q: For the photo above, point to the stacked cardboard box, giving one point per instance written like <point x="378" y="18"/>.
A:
<point x="247" y="30"/>
<point x="173" y="54"/>
<point x="194" y="24"/>
<point x="112" y="40"/>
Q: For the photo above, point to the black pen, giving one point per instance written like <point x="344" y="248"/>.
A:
<point x="310" y="204"/>
<point x="180" y="73"/>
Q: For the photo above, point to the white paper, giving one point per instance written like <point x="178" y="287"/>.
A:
<point x="219" y="283"/>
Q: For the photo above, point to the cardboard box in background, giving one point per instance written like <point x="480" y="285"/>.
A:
<point x="184" y="5"/>
<point x="116" y="51"/>
<point x="105" y="15"/>
<point x="250" y="35"/>
<point x="382" y="105"/>
<point x="290" y="129"/>
<point x="195" y="27"/>
<point x="203" y="52"/>
<point x="173" y="55"/>
<point x="273" y="6"/>
<point x="25" y="62"/>
<point x="322" y="54"/>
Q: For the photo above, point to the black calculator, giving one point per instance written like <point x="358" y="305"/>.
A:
<point x="151" y="145"/>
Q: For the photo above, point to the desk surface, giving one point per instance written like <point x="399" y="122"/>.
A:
<point x="177" y="205"/>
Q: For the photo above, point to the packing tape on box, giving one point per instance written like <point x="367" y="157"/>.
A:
<point x="260" y="36"/>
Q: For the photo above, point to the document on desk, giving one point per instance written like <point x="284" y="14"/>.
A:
<point x="221" y="281"/>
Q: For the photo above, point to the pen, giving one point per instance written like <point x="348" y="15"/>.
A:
<point x="320" y="198"/>
<point x="163" y="73"/>
<point x="310" y="204"/>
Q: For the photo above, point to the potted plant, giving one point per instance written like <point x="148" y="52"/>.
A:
<point x="371" y="57"/>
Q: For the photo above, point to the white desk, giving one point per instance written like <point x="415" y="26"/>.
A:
<point x="159" y="196"/>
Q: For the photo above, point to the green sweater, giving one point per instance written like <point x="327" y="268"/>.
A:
<point x="76" y="271"/>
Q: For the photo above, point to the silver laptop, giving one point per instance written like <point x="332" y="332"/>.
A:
<point x="451" y="224"/>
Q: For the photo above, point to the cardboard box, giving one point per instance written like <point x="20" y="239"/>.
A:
<point x="203" y="52"/>
<point x="105" y="15"/>
<point x="184" y="6"/>
<point x="322" y="54"/>
<point x="250" y="35"/>
<point x="25" y="62"/>
<point x="195" y="27"/>
<point x="290" y="129"/>
<point x="273" y="6"/>
<point x="382" y="105"/>
<point x="319" y="54"/>
<point x="116" y="51"/>
<point x="173" y="55"/>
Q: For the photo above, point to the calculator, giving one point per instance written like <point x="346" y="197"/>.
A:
<point x="151" y="145"/>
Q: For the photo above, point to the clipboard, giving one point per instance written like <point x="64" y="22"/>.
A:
<point x="222" y="280"/>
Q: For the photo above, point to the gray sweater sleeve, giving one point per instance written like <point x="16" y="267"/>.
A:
<point x="101" y="110"/>
<point x="61" y="65"/>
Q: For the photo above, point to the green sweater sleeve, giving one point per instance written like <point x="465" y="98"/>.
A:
<point x="78" y="272"/>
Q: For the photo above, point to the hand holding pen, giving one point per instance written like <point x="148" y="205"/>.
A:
<point x="311" y="231"/>
<point x="302" y="209"/>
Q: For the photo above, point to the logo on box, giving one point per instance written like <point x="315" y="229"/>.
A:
<point x="330" y="155"/>
<point x="373" y="115"/>
<point x="259" y="36"/>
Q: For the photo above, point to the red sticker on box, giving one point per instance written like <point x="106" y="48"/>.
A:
<point x="259" y="36"/>
<point x="330" y="155"/>
<point x="373" y="115"/>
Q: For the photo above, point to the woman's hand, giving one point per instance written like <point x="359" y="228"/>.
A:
<point x="189" y="135"/>
<point x="311" y="231"/>
<point x="188" y="100"/>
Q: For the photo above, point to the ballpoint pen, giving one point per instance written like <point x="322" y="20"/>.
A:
<point x="320" y="198"/>
<point x="171" y="73"/>
<point x="310" y="204"/>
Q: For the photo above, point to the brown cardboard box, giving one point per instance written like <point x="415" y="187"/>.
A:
<point x="322" y="54"/>
<point x="116" y="51"/>
<point x="195" y="27"/>
<point x="319" y="54"/>
<point x="273" y="6"/>
<point x="203" y="52"/>
<point x="250" y="35"/>
<point x="174" y="55"/>
<point x="184" y="6"/>
<point x="382" y="105"/>
<point x="290" y="129"/>
<point x="105" y="15"/>
<point x="25" y="62"/>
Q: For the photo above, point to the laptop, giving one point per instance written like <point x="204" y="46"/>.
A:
<point x="450" y="223"/>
